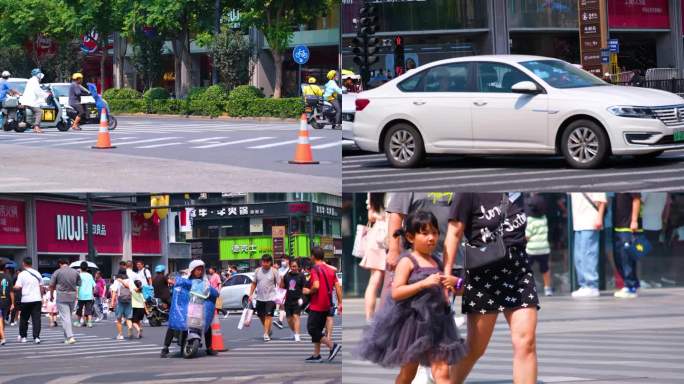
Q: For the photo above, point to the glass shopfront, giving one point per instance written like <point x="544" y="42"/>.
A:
<point x="662" y="267"/>
<point x="558" y="14"/>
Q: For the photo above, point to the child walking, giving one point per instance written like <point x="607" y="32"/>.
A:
<point x="415" y="326"/>
<point x="537" y="235"/>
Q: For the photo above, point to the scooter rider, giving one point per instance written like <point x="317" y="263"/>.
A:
<point x="311" y="89"/>
<point x="331" y="93"/>
<point x="4" y="91"/>
<point x="34" y="96"/>
<point x="179" y="303"/>
<point x="75" y="93"/>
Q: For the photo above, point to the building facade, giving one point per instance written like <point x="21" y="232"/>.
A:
<point x="239" y="229"/>
<point x="649" y="31"/>
<point x="50" y="227"/>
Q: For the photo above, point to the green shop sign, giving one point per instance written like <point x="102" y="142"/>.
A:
<point x="253" y="247"/>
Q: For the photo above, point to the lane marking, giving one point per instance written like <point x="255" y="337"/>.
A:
<point x="283" y="143"/>
<point x="234" y="142"/>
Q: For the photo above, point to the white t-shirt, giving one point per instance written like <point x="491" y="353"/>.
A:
<point x="652" y="210"/>
<point x="584" y="215"/>
<point x="29" y="281"/>
<point x="141" y="275"/>
<point x="116" y="286"/>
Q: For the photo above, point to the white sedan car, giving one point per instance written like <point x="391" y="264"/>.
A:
<point x="235" y="291"/>
<point x="514" y="104"/>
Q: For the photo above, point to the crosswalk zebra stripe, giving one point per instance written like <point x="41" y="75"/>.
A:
<point x="79" y="142"/>
<point x="234" y="142"/>
<point x="283" y="143"/>
<point x="160" y="145"/>
<point x="119" y="143"/>
<point x="206" y="139"/>
<point x="105" y="350"/>
<point x="328" y="145"/>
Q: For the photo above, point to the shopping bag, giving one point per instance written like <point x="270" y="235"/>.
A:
<point x="360" y="241"/>
<point x="280" y="296"/>
<point x="248" y="318"/>
<point x="241" y="323"/>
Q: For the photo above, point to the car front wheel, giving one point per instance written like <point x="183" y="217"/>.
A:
<point x="584" y="144"/>
<point x="404" y="146"/>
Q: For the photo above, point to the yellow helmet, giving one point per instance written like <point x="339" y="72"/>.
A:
<point x="77" y="76"/>
<point x="312" y="80"/>
<point x="332" y="74"/>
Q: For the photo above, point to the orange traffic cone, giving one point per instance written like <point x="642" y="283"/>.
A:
<point x="216" y="335"/>
<point x="103" y="141"/>
<point x="303" y="153"/>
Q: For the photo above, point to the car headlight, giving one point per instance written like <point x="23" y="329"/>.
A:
<point x="629" y="111"/>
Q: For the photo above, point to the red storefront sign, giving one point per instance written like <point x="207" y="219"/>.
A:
<point x="144" y="236"/>
<point x="62" y="228"/>
<point x="12" y="223"/>
<point x="638" y="14"/>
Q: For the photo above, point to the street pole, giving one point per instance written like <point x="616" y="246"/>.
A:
<point x="299" y="79"/>
<point x="217" y="30"/>
<point x="89" y="212"/>
<point x="311" y="231"/>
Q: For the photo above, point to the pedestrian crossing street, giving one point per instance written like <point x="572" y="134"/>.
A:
<point x="88" y="346"/>
<point x="150" y="135"/>
<point x="618" y="356"/>
<point x="373" y="173"/>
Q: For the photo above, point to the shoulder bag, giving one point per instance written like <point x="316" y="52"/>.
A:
<point x="491" y="252"/>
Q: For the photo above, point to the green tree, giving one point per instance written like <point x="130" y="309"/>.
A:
<point x="278" y="20"/>
<point x="147" y="57"/>
<point x="232" y="55"/>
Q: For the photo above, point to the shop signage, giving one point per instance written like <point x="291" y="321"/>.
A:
<point x="605" y="56"/>
<point x="264" y="210"/>
<point x="256" y="225"/>
<point x="144" y="235"/>
<point x="614" y="45"/>
<point x="278" y="235"/>
<point x="593" y="34"/>
<point x="62" y="228"/>
<point x="243" y="210"/>
<point x="639" y="14"/>
<point x="328" y="247"/>
<point x="12" y="223"/>
<point x="325" y="210"/>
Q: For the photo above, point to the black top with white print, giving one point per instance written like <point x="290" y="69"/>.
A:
<point x="481" y="214"/>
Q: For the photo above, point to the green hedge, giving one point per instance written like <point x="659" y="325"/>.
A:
<point x="157" y="93"/>
<point x="121" y="93"/>
<point x="262" y="107"/>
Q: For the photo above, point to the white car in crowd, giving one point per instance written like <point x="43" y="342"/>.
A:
<point x="514" y="104"/>
<point x="348" y="111"/>
<point x="235" y="291"/>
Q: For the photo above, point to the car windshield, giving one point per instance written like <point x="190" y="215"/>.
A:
<point x="62" y="90"/>
<point x="19" y="86"/>
<point x="560" y="74"/>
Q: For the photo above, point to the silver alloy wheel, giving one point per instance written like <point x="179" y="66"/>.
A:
<point x="583" y="145"/>
<point x="402" y="145"/>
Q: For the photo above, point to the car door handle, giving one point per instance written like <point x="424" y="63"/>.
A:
<point x="480" y="103"/>
<point x="418" y="103"/>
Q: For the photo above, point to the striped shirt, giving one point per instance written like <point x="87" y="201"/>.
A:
<point x="537" y="233"/>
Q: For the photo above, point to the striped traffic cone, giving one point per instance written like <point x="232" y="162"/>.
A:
<point x="216" y="335"/>
<point x="303" y="153"/>
<point x="103" y="140"/>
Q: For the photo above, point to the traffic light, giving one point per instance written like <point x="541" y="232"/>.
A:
<point x="365" y="45"/>
<point x="399" y="56"/>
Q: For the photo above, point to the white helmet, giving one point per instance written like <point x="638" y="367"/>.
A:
<point x="6" y="74"/>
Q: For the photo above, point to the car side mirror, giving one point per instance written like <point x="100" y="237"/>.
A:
<point x="527" y="87"/>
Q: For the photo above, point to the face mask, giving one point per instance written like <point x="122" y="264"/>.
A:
<point x="40" y="76"/>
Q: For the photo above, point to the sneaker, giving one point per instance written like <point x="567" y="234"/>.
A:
<point x="334" y="351"/>
<point x="36" y="340"/>
<point x="18" y="338"/>
<point x="23" y="340"/>
<point x="626" y="293"/>
<point x="314" y="359"/>
<point x="586" y="292"/>
<point x="548" y="291"/>
<point x="90" y="324"/>
<point x="277" y="323"/>
<point x="164" y="352"/>
<point x="2" y="341"/>
<point x="70" y="341"/>
<point x="13" y="324"/>
<point x="77" y="323"/>
<point x="119" y="337"/>
<point x="297" y="339"/>
<point x="267" y="338"/>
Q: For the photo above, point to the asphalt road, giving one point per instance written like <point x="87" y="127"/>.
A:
<point x="600" y="340"/>
<point x="231" y="154"/>
<point x="98" y="358"/>
<point x="363" y="172"/>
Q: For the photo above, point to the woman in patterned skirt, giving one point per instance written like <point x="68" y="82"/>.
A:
<point x="506" y="286"/>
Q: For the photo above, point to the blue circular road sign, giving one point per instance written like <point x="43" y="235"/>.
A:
<point x="300" y="54"/>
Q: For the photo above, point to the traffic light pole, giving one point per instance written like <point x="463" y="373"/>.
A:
<point x="365" y="44"/>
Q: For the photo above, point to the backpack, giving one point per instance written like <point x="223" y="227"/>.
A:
<point x="124" y="294"/>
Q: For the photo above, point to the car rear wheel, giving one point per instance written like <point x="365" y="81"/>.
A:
<point x="584" y="144"/>
<point x="404" y="146"/>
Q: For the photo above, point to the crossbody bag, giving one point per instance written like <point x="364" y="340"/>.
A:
<point x="492" y="252"/>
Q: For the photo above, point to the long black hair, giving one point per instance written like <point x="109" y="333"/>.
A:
<point x="376" y="201"/>
<point x="415" y="222"/>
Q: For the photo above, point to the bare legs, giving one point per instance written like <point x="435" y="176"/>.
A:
<point x="480" y="328"/>
<point x="523" y="325"/>
<point x="370" y="297"/>
<point x="440" y="373"/>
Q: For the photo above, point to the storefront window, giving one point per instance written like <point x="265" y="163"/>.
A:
<point x="412" y="15"/>
<point x="269" y="197"/>
<point x="542" y="14"/>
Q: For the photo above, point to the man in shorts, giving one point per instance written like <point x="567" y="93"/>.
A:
<point x="265" y="281"/>
<point x="323" y="283"/>
<point x="86" y="297"/>
<point x="121" y="303"/>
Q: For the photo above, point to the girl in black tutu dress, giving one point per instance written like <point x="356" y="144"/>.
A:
<point x="416" y="326"/>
